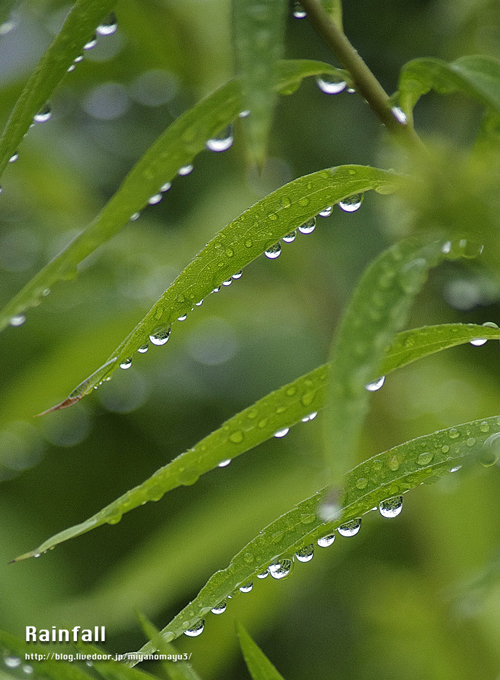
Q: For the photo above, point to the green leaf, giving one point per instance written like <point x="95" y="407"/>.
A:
<point x="55" y="670"/>
<point x="257" y="423"/>
<point x="258" y="664"/>
<point x="175" y="148"/>
<point x="378" y="308"/>
<point x="235" y="246"/>
<point x="5" y="10"/>
<point x="384" y="477"/>
<point x="79" y="26"/>
<point x="475" y="76"/>
<point x="176" y="670"/>
<point x="110" y="666"/>
<point x="258" y="36"/>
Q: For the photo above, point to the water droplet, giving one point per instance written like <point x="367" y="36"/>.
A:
<point x="311" y="416"/>
<point x="238" y="275"/>
<point x="326" y="212"/>
<point x="393" y="464"/>
<point x="280" y="570"/>
<point x="305" y="554"/>
<point x="14" y="157"/>
<point x="224" y="463"/>
<point x="7" y="26"/>
<point x="375" y="385"/>
<point x="156" y="198"/>
<point x="249" y="558"/>
<point x="17" y="320"/>
<point x="289" y="238"/>
<point x="244" y="114"/>
<point x="160" y="336"/>
<point x="491" y="450"/>
<point x="143" y="348"/>
<point x="183" y="317"/>
<point x="277" y="537"/>
<point x="308" y="227"/>
<point x="27" y="669"/>
<point x="391" y="507"/>
<point x="298" y="11"/>
<point x="273" y="251"/>
<point x="12" y="661"/>
<point x="135" y="216"/>
<point x="43" y="115"/>
<point x="453" y="433"/>
<point x="126" y="363"/>
<point x="281" y="433"/>
<point x="351" y="203"/>
<point x="78" y="59"/>
<point x="165" y="187"/>
<point x="425" y="458"/>
<point x="484" y="427"/>
<point x="196" y="630"/>
<point x="91" y="43"/>
<point x="185" y="170"/>
<point x="108" y="26"/>
<point x="470" y="442"/>
<point x="399" y="115"/>
<point x="227" y="282"/>
<point x="331" y="84"/>
<point x="477" y="342"/>
<point x="223" y="141"/>
<point x="236" y="437"/>
<point x="263" y="574"/>
<point x="247" y="587"/>
<point x="350" y="528"/>
<point x="220" y="608"/>
<point x="326" y="541"/>
<point x="361" y="483"/>
<point x="456" y="468"/>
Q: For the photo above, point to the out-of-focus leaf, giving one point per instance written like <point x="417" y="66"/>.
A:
<point x="258" y="664"/>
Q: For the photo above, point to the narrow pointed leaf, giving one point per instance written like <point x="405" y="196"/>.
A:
<point x="386" y="475"/>
<point x="79" y="26"/>
<point x="252" y="426"/>
<point x="238" y="244"/>
<point x="378" y="308"/>
<point x="175" y="670"/>
<point x="54" y="670"/>
<point x="258" y="36"/>
<point x="475" y="76"/>
<point x="175" y="148"/>
<point x="258" y="664"/>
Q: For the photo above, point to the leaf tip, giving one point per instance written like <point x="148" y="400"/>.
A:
<point x="64" y="404"/>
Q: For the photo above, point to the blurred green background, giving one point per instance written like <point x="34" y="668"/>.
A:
<point x="416" y="597"/>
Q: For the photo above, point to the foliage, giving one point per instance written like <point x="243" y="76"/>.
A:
<point x="428" y="190"/>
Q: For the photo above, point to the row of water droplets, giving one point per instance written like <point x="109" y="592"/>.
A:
<point x="349" y="204"/>
<point x="107" y="27"/>
<point x="390" y="507"/>
<point x="14" y="662"/>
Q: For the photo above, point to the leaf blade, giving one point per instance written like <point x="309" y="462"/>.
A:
<point x="288" y="406"/>
<point x="176" y="147"/>
<point x="257" y="662"/>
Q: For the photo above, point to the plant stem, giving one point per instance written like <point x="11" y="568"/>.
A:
<point x="363" y="79"/>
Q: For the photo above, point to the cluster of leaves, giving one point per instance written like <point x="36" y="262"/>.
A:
<point x="370" y="341"/>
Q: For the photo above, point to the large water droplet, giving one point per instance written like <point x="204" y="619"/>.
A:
<point x="305" y="554"/>
<point x="43" y="115"/>
<point x="185" y="170"/>
<point x="247" y="587"/>
<point x="326" y="541"/>
<point x="126" y="363"/>
<point x="222" y="141"/>
<point x="196" y="630"/>
<point x="160" y="336"/>
<point x="351" y="203"/>
<point x="391" y="507"/>
<point x="308" y="227"/>
<point x="491" y="451"/>
<point x="281" y="433"/>
<point x="108" y="26"/>
<point x="224" y="463"/>
<point x="350" y="528"/>
<point x="298" y="11"/>
<point x="375" y="385"/>
<point x="326" y="212"/>
<point x="331" y="84"/>
<point x="220" y="608"/>
<point x="143" y="348"/>
<point x="280" y="570"/>
<point x="289" y="238"/>
<point x="477" y="342"/>
<point x="273" y="251"/>
<point x="12" y="661"/>
<point x="17" y="320"/>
